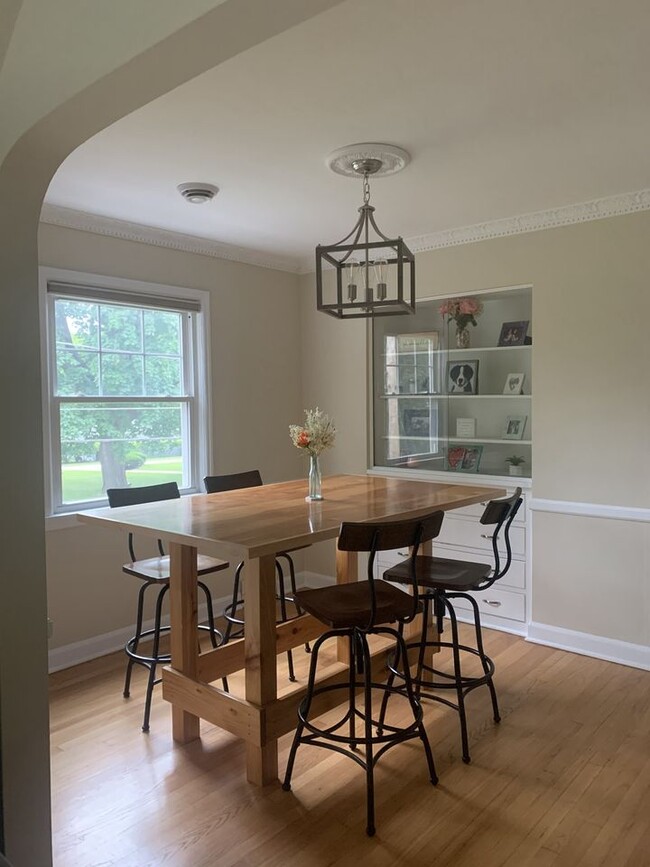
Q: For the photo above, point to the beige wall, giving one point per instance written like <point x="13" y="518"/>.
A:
<point x="255" y="389"/>
<point x="591" y="306"/>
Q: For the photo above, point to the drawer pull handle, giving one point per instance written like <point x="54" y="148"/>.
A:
<point x="403" y="554"/>
<point x="492" y="602"/>
<point x="486" y="536"/>
<point x="483" y="504"/>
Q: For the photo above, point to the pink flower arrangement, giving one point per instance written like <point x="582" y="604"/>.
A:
<point x="462" y="310"/>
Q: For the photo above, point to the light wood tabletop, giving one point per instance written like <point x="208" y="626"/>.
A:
<point x="253" y="524"/>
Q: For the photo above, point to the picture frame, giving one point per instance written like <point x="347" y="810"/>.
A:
<point x="462" y="376"/>
<point x="462" y="459"/>
<point x="513" y="333"/>
<point x="455" y="455"/>
<point x="420" y="341"/>
<point x="514" y="383"/>
<point x="513" y="428"/>
<point x="472" y="459"/>
<point x="466" y="428"/>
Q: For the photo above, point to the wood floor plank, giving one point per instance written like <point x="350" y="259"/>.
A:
<point x="563" y="780"/>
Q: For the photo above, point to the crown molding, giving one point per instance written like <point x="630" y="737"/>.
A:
<point x="582" y="212"/>
<point x="83" y="221"/>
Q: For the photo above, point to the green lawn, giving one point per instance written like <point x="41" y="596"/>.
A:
<point x="83" y="482"/>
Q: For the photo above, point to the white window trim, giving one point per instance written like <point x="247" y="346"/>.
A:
<point x="202" y="366"/>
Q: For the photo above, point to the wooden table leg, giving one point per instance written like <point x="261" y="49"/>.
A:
<point x="261" y="662"/>
<point x="184" y="632"/>
<point x="347" y="571"/>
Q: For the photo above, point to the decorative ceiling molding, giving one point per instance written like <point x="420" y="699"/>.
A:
<point x="597" y="209"/>
<point x="85" y="222"/>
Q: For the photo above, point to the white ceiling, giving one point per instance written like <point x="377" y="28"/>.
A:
<point x="507" y="107"/>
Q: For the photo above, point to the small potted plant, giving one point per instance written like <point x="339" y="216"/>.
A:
<point x="515" y="465"/>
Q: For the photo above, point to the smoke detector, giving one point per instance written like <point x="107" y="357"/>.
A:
<point x="197" y="192"/>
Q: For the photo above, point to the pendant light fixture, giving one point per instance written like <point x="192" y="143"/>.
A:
<point x="366" y="273"/>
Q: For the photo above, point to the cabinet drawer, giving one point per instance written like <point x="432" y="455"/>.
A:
<point x="471" y="534"/>
<point x="497" y="602"/>
<point x="515" y="577"/>
<point x="477" y="509"/>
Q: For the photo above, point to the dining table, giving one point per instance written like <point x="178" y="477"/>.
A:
<point x="253" y="525"/>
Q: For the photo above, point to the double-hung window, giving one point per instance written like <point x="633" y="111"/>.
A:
<point x="126" y="390"/>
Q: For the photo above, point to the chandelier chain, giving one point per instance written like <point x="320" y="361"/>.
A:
<point x="366" y="189"/>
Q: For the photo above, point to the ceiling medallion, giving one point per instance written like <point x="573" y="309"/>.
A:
<point x="365" y="272"/>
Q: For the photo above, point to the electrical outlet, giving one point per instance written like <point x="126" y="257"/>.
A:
<point x="50" y="628"/>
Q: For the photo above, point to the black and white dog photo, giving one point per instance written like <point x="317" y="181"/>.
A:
<point x="462" y="378"/>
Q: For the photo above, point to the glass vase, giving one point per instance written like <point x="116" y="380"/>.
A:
<point x="462" y="338"/>
<point x="315" y="492"/>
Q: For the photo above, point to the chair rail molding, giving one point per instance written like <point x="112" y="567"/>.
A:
<point x="590" y="510"/>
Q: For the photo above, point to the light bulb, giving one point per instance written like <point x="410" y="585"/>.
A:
<point x="380" y="267"/>
<point x="352" y="271"/>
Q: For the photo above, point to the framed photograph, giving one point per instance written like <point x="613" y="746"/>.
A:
<point x="462" y="377"/>
<point x="514" y="383"/>
<point x="455" y="455"/>
<point x="422" y="341"/>
<point x="513" y="428"/>
<point x="466" y="428"/>
<point x="471" y="459"/>
<point x="513" y="333"/>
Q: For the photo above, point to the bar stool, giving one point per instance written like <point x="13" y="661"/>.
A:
<point x="355" y="611"/>
<point x="155" y="572"/>
<point x="440" y="581"/>
<point x="234" y="482"/>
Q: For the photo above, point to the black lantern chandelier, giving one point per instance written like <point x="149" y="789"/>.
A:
<point x="369" y="274"/>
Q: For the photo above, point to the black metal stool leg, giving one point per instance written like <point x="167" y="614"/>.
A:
<point x="459" y="683"/>
<point x="370" y="763"/>
<point x="423" y="646"/>
<point x="154" y="654"/>
<point x="136" y="639"/>
<point x="283" y="614"/>
<point x="303" y="713"/>
<point x="214" y="632"/>
<point x="234" y="604"/>
<point x="391" y="681"/>
<point x="352" y="695"/>
<point x="486" y="667"/>
<point x="294" y="589"/>
<point x="416" y="708"/>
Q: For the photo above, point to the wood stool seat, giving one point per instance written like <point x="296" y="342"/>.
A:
<point x="440" y="574"/>
<point x="158" y="568"/>
<point x="346" y="606"/>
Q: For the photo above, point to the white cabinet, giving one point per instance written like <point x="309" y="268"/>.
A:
<point x="463" y="537"/>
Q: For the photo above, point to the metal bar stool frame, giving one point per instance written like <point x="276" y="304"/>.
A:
<point x="375" y="743"/>
<point x="239" y="481"/>
<point x="501" y="514"/>
<point x="131" y="496"/>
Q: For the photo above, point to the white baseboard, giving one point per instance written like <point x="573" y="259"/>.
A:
<point x="109" y="642"/>
<point x="610" y="649"/>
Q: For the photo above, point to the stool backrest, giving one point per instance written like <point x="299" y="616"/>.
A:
<point x="232" y="482"/>
<point x="384" y="537"/>
<point x="146" y="494"/>
<point x="501" y="514"/>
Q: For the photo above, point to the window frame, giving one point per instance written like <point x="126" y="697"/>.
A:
<point x="196" y="351"/>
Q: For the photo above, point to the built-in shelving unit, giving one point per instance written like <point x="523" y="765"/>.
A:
<point x="432" y="399"/>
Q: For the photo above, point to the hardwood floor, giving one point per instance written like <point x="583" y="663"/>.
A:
<point x="563" y="780"/>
